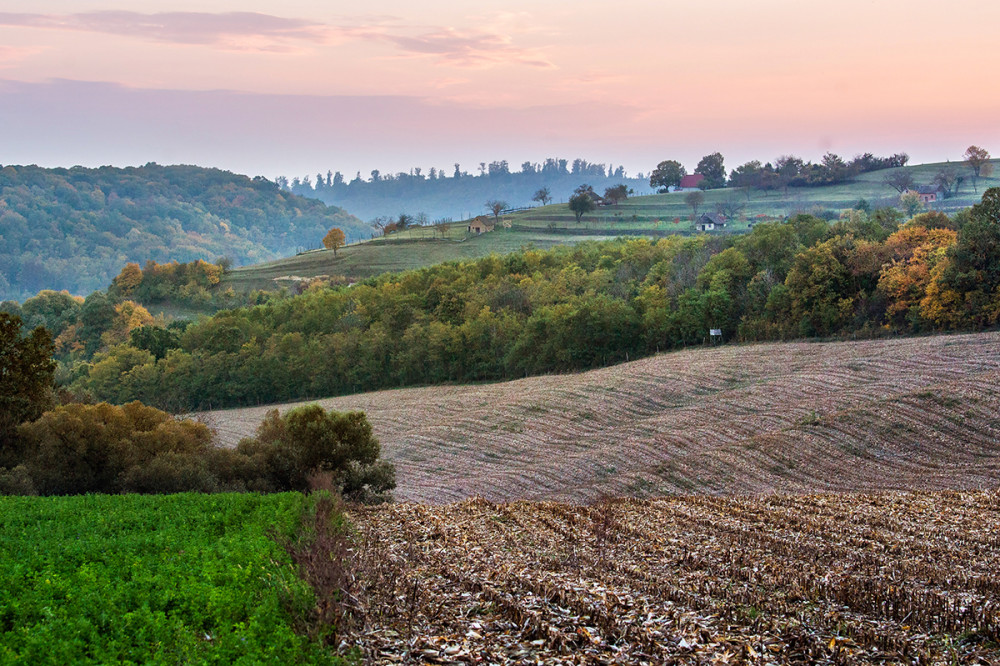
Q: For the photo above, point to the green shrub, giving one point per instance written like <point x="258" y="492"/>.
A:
<point x="309" y="442"/>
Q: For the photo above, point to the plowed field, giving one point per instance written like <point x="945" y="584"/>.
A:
<point x="900" y="578"/>
<point x="916" y="413"/>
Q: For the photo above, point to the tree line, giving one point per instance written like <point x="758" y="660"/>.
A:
<point x="568" y="308"/>
<point x="443" y="194"/>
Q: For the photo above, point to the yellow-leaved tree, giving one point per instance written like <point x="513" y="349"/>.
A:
<point x="334" y="239"/>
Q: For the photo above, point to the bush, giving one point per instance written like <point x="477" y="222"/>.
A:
<point x="103" y="448"/>
<point x="76" y="449"/>
<point x="308" y="442"/>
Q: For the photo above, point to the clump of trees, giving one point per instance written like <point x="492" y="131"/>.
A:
<point x="102" y="448"/>
<point x="786" y="171"/>
<point x="577" y="307"/>
<point x="77" y="449"/>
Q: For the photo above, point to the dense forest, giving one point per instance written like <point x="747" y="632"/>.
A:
<point x="532" y="312"/>
<point x="437" y="194"/>
<point x="75" y="228"/>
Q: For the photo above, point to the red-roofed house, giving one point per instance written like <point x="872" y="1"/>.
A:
<point x="690" y="182"/>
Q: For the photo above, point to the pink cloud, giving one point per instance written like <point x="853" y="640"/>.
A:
<point x="12" y="54"/>
<point x="467" y="49"/>
<point x="177" y="27"/>
<point x="263" y="32"/>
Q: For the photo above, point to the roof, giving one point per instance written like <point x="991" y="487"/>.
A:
<point x="712" y="218"/>
<point x="691" y="180"/>
<point x="929" y="189"/>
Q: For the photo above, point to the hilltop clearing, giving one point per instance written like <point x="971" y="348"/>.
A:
<point x="916" y="413"/>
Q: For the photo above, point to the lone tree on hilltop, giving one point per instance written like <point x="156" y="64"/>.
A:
<point x="496" y="206"/>
<point x="978" y="160"/>
<point x="543" y="196"/>
<point x="581" y="203"/>
<point x="666" y="175"/>
<point x="334" y="238"/>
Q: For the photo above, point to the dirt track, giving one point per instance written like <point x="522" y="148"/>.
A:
<point x="917" y="413"/>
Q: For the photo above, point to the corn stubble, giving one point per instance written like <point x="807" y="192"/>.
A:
<point x="898" y="578"/>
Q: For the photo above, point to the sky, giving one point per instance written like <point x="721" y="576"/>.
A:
<point x="303" y="86"/>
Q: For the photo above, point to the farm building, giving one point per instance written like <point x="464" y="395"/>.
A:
<point x="690" y="182"/>
<point x="481" y="225"/>
<point x="710" y="221"/>
<point x="930" y="194"/>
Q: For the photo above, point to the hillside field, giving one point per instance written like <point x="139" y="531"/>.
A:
<point x="898" y="414"/>
<point x="545" y="226"/>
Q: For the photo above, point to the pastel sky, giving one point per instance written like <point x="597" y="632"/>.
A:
<point x="301" y="86"/>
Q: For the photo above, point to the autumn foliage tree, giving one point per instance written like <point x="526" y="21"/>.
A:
<point x="334" y="239"/>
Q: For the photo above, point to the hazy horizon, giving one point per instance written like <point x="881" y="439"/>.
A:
<point x="239" y="87"/>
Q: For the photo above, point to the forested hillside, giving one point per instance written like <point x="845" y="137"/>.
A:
<point x="75" y="228"/>
<point x="569" y="308"/>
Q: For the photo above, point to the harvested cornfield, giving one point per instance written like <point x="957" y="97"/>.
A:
<point x="916" y="413"/>
<point x="900" y="578"/>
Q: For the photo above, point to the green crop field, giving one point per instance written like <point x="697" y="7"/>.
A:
<point x="555" y="224"/>
<point x="151" y="579"/>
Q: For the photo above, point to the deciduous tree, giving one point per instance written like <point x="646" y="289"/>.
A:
<point x="581" y="203"/>
<point x="26" y="373"/>
<point x="334" y="239"/>
<point x="694" y="199"/>
<point x="616" y="194"/>
<point x="713" y="169"/>
<point x="497" y="206"/>
<point x="542" y="196"/>
<point x="978" y="160"/>
<point x="666" y="175"/>
<point x="900" y="180"/>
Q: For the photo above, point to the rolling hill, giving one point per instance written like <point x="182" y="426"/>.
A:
<point x="76" y="228"/>
<point x="913" y="413"/>
<point x="545" y="226"/>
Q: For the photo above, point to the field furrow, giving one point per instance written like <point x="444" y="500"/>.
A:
<point x="800" y="417"/>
